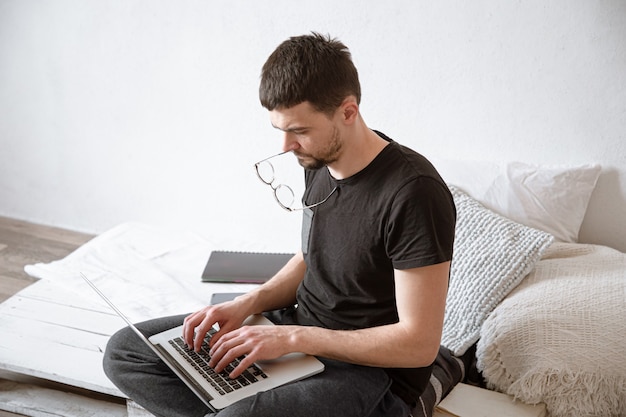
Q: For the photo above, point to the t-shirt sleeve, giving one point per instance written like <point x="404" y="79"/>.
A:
<point x="420" y="230"/>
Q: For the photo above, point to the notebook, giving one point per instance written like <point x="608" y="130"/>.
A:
<point x="218" y="391"/>
<point x="243" y="267"/>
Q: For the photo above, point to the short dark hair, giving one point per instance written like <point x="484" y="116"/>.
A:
<point x="313" y="68"/>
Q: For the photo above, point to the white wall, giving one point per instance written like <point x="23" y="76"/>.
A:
<point x="118" y="110"/>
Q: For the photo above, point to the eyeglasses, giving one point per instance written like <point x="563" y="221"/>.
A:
<point x="283" y="194"/>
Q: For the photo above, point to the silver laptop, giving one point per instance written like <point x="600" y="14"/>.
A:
<point x="217" y="390"/>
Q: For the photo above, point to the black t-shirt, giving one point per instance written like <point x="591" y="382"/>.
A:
<point x="397" y="213"/>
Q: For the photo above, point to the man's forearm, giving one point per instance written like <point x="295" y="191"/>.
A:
<point x="384" y="346"/>
<point x="280" y="290"/>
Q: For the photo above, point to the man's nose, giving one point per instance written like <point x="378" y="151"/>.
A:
<point x="289" y="142"/>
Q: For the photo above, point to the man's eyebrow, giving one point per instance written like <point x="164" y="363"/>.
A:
<point x="292" y="129"/>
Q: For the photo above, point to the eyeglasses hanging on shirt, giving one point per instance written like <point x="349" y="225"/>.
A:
<point x="284" y="195"/>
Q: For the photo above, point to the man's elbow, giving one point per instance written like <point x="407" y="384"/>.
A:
<point x="424" y="354"/>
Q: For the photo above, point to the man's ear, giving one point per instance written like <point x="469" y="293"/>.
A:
<point x="349" y="110"/>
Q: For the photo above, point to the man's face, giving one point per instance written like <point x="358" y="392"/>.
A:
<point x="312" y="136"/>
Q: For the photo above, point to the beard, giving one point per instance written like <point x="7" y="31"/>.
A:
<point x="324" y="157"/>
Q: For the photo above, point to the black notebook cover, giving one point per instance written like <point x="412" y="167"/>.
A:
<point x="243" y="267"/>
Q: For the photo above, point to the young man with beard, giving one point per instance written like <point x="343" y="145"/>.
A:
<point x="365" y="294"/>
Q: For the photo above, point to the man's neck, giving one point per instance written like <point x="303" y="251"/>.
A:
<point x="360" y="148"/>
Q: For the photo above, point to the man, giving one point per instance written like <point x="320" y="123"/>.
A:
<point x="366" y="293"/>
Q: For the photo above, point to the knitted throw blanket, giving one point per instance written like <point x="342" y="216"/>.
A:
<point x="559" y="337"/>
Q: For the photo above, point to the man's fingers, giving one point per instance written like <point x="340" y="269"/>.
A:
<point x="244" y="364"/>
<point x="229" y="348"/>
<point x="201" y="330"/>
<point x="189" y="326"/>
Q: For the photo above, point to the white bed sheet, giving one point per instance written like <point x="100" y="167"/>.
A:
<point x="145" y="270"/>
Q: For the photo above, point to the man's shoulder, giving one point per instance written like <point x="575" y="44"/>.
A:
<point x="414" y="164"/>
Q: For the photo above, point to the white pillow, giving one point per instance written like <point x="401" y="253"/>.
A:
<point x="492" y="255"/>
<point x="553" y="199"/>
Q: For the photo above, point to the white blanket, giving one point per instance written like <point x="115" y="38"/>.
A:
<point x="146" y="271"/>
<point x="558" y="338"/>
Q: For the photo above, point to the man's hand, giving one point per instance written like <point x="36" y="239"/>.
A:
<point x="255" y="342"/>
<point x="228" y="316"/>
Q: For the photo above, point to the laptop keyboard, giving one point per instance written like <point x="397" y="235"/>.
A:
<point x="220" y="381"/>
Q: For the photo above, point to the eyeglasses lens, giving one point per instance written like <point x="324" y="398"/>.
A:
<point x="265" y="170"/>
<point x="284" y="195"/>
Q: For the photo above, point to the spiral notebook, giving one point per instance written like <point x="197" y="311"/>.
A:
<point x="243" y="267"/>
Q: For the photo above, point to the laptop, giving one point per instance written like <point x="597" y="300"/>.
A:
<point x="218" y="391"/>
